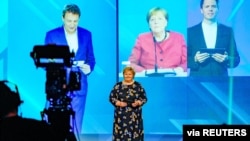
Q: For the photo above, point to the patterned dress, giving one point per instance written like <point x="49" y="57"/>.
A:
<point x="128" y="122"/>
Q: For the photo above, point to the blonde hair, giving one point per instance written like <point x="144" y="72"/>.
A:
<point x="155" y="10"/>
<point x="129" y="68"/>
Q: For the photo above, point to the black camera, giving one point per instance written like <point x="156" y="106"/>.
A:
<point x="61" y="77"/>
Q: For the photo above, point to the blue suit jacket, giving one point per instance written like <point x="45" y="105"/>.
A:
<point x="85" y="48"/>
<point x="225" y="39"/>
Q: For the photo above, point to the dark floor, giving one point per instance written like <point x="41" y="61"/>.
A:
<point x="148" y="137"/>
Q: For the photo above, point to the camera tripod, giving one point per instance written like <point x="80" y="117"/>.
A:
<point x="59" y="115"/>
<point x="57" y="60"/>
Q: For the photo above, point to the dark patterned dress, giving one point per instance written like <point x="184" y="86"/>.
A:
<point x="128" y="122"/>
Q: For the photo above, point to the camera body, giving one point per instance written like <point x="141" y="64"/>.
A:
<point x="61" y="77"/>
<point x="61" y="80"/>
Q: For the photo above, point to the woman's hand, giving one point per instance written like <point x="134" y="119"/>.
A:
<point x="137" y="103"/>
<point x="121" y="104"/>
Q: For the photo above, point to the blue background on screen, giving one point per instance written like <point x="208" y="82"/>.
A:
<point x="26" y="24"/>
<point x="115" y="26"/>
<point x="231" y="13"/>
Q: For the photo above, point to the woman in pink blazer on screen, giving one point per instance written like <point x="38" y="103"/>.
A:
<point x="159" y="48"/>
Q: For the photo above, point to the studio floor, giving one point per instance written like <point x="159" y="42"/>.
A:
<point x="148" y="137"/>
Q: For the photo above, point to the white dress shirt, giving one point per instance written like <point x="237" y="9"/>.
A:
<point x="210" y="33"/>
<point x="72" y="41"/>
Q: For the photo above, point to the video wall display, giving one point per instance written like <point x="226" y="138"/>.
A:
<point x="209" y="97"/>
<point x="148" y="55"/>
<point x="121" y="29"/>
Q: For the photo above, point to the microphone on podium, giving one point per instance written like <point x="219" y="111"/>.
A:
<point x="156" y="65"/>
<point x="157" y="72"/>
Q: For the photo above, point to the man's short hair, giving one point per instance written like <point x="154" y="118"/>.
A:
<point x="9" y="97"/>
<point x="71" y="8"/>
<point x="202" y="1"/>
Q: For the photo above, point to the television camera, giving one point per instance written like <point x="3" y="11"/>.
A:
<point x="62" y="78"/>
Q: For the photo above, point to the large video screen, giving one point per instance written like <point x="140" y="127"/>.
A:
<point x="231" y="13"/>
<point x="115" y="25"/>
<point x="132" y="22"/>
<point x="24" y="25"/>
<point x="180" y="99"/>
<point x="182" y="15"/>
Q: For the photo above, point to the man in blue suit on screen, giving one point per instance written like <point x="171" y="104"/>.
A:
<point x="79" y="41"/>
